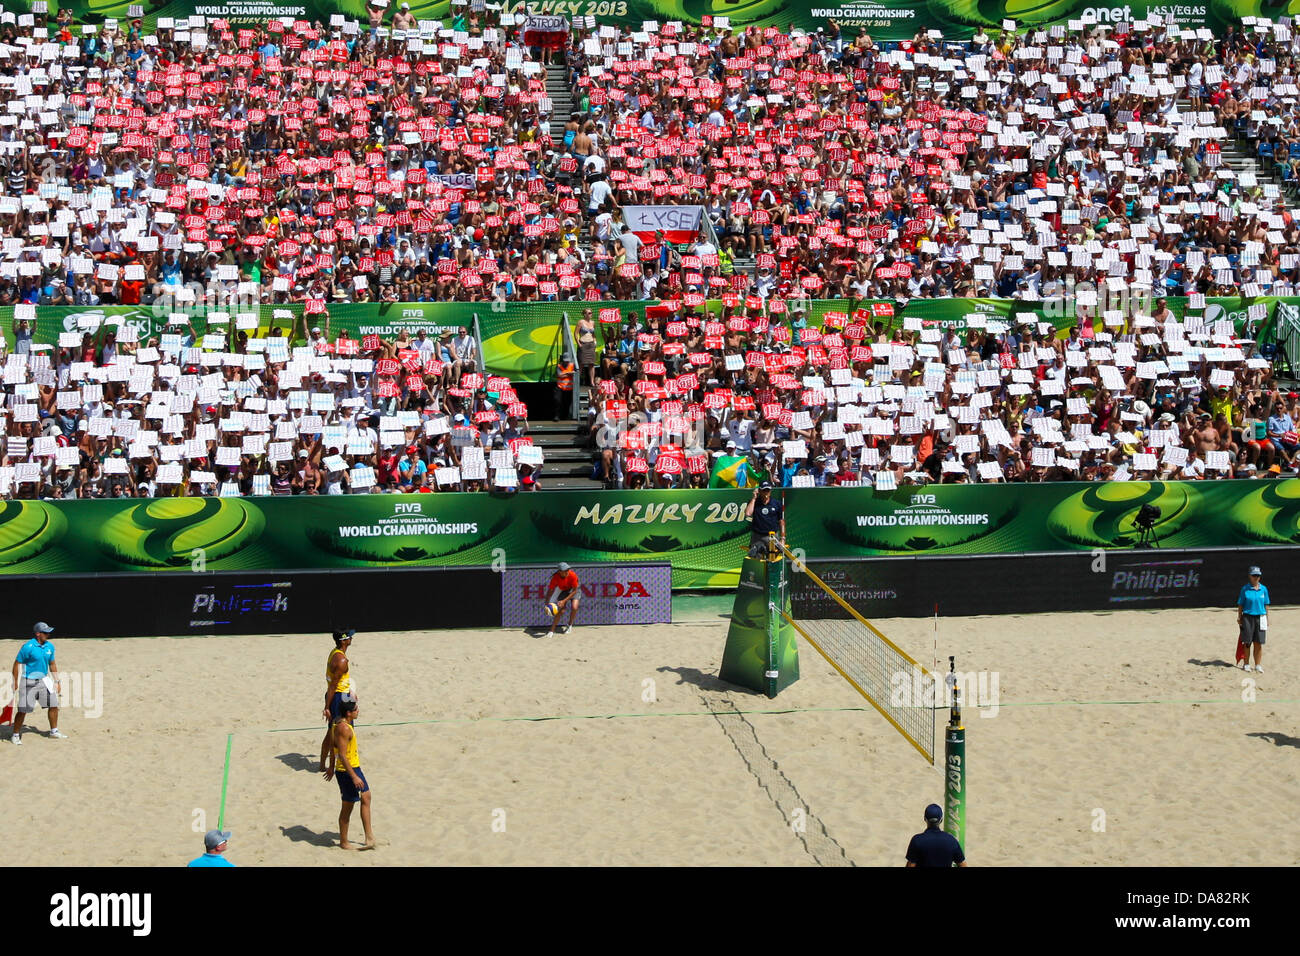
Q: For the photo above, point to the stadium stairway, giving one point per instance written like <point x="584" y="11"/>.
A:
<point x="567" y="464"/>
<point x="1239" y="155"/>
<point x="1247" y="169"/>
<point x="561" y="97"/>
<point x="560" y="94"/>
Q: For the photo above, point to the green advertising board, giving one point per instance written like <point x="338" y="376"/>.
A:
<point x="236" y="12"/>
<point x="520" y="340"/>
<point x="1055" y="516"/>
<point x="703" y="533"/>
<point x="903" y="19"/>
<point x="883" y="20"/>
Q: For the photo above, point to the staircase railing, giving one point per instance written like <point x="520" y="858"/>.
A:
<point x="572" y="353"/>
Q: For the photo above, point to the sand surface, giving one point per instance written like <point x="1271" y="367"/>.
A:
<point x="1162" y="752"/>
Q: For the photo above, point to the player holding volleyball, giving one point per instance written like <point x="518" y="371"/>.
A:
<point x="563" y="590"/>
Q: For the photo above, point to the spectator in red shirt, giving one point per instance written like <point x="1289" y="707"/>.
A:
<point x="131" y="290"/>
<point x="388" y="474"/>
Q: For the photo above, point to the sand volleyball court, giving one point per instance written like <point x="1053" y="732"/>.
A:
<point x="1119" y="739"/>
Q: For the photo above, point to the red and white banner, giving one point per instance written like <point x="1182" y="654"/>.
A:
<point x="677" y="223"/>
<point x="550" y="32"/>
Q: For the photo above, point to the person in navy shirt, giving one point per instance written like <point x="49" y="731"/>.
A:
<point x="1252" y="618"/>
<point x="765" y="517"/>
<point x="214" y="845"/>
<point x="34" y="675"/>
<point x="934" y="847"/>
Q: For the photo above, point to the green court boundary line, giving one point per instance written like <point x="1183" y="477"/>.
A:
<point x="791" y="710"/>
<point x="225" y="782"/>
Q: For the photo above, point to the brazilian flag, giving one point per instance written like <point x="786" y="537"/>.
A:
<point x="734" y="471"/>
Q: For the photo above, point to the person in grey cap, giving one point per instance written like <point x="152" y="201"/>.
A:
<point x="564" y="589"/>
<point x="35" y="676"/>
<point x="214" y="848"/>
<point x="1252" y="620"/>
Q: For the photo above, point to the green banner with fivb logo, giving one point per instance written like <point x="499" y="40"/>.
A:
<point x="883" y="20"/>
<point x="1040" y="517"/>
<point x="702" y="533"/>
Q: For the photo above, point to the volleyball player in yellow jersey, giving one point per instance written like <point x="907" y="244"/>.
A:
<point x="338" y="681"/>
<point x="345" y="767"/>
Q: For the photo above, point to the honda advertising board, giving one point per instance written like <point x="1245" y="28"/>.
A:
<point x="608" y="594"/>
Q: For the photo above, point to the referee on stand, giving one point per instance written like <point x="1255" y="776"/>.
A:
<point x="765" y="516"/>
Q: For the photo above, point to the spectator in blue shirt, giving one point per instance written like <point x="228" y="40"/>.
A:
<point x="627" y="344"/>
<point x="1280" y="427"/>
<point x="171" y="270"/>
<point x="1252" y="617"/>
<point x="214" y="845"/>
<point x="411" y="470"/>
<point x="820" y="476"/>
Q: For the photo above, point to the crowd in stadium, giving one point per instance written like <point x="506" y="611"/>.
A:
<point x="180" y="415"/>
<point x="316" y="164"/>
<point x="308" y="164"/>
<point x="851" y="402"/>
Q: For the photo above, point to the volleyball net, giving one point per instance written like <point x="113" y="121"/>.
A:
<point x="901" y="689"/>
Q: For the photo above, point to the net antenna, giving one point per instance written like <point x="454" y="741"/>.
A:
<point x="896" y="685"/>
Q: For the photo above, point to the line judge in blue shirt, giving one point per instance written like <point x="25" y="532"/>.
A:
<point x="1252" y="617"/>
<point x="35" y="672"/>
<point x="214" y="846"/>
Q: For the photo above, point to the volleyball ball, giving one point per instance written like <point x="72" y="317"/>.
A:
<point x="552" y="609"/>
